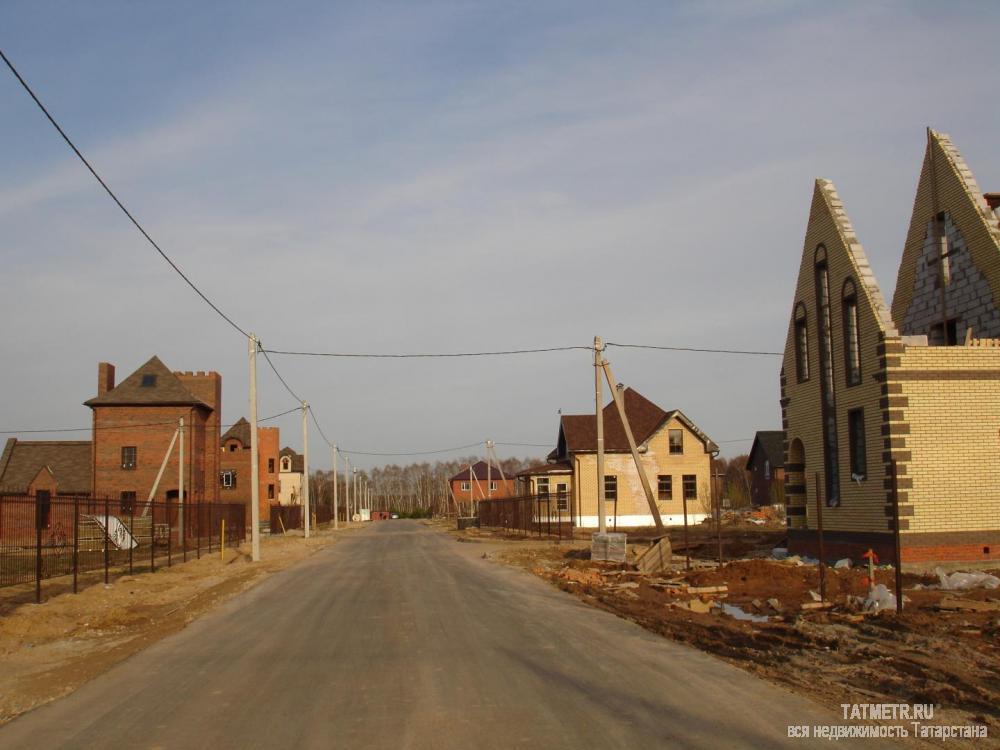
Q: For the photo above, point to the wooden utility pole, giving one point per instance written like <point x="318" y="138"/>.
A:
<point x="620" y="404"/>
<point x="602" y="525"/>
<point x="254" y="458"/>
<point x="336" y="504"/>
<point x="305" y="466"/>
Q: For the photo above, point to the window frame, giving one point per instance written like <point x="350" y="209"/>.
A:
<point x="689" y="481"/>
<point x="611" y="487"/>
<point x="671" y="433"/>
<point x="126" y="502"/>
<point x="466" y="486"/>
<point x="852" y="333"/>
<point x="542" y="488"/>
<point x="801" y="343"/>
<point x="562" y="496"/>
<point x="127" y="450"/>
<point x="668" y="494"/>
<point x="230" y="475"/>
<point x="857" y="442"/>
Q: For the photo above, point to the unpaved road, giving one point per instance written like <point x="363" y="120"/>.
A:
<point x="399" y="637"/>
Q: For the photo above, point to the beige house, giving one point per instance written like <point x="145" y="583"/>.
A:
<point x="675" y="454"/>
<point x="290" y="470"/>
<point x="865" y="388"/>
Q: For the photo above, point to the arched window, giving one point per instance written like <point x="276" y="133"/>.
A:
<point x="852" y="335"/>
<point x="801" y="343"/>
<point x="827" y="388"/>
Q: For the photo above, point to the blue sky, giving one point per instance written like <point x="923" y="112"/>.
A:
<point x="457" y="176"/>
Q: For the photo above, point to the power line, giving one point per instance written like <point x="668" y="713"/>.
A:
<point x="428" y="355"/>
<point x="321" y="433"/>
<point x="275" y="370"/>
<point x="693" y="349"/>
<point x="115" y="198"/>
<point x="127" y="426"/>
<point x="412" y="453"/>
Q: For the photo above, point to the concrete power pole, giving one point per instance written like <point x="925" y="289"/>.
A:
<point x="305" y="466"/>
<point x="336" y="504"/>
<point x="347" y="489"/>
<point x="602" y="526"/>
<point x="254" y="459"/>
<point x="489" y="470"/>
<point x="180" y="484"/>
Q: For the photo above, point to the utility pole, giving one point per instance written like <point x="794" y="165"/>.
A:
<point x="305" y="466"/>
<point x="254" y="459"/>
<point x="489" y="470"/>
<point x="354" y="493"/>
<point x="336" y="505"/>
<point x="602" y="525"/>
<point x="180" y="486"/>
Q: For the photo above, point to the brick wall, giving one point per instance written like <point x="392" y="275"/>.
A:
<point x="238" y="460"/>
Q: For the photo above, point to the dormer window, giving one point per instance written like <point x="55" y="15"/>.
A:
<point x="148" y="381"/>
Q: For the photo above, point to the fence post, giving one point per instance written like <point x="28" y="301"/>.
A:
<point x="131" y="531"/>
<point x="76" y="540"/>
<point x="170" y="532"/>
<point x="38" y="552"/>
<point x="107" y="536"/>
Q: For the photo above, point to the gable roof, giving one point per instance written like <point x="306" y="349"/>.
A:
<point x="70" y="462"/>
<point x="578" y="432"/>
<point x="772" y="444"/>
<point x="166" y="389"/>
<point x="479" y="470"/>
<point x="298" y="462"/>
<point x="239" y="431"/>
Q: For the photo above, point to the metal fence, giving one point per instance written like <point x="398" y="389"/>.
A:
<point x="43" y="537"/>
<point x="528" y="515"/>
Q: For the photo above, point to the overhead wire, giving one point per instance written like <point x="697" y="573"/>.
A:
<point x="115" y="198"/>
<point x="125" y="426"/>
<point x="423" y="355"/>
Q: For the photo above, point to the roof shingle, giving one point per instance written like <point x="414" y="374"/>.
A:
<point x="161" y="387"/>
<point x="69" y="460"/>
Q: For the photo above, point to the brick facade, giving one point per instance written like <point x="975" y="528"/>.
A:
<point x="235" y="456"/>
<point x="145" y="418"/>
<point x="933" y="410"/>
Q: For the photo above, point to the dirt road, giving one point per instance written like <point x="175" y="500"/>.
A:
<point x="399" y="637"/>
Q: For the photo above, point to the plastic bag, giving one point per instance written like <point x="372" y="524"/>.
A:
<point x="958" y="581"/>
<point x="880" y="598"/>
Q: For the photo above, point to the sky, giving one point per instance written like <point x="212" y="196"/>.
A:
<point x="456" y="176"/>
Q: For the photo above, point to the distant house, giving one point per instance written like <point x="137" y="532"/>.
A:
<point x="766" y="466"/>
<point x="482" y="483"/>
<point x="134" y="424"/>
<point x="56" y="467"/>
<point x="291" y="467"/>
<point x="675" y="453"/>
<point x="235" y="468"/>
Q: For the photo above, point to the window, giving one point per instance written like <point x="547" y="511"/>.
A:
<point x="270" y="492"/>
<point x="856" y="429"/>
<point x="801" y="344"/>
<point x="128" y="457"/>
<point x="542" y="486"/>
<point x="493" y="486"/>
<point x="228" y="479"/>
<point x="665" y="487"/>
<point x="43" y="509"/>
<point x="562" y="501"/>
<point x="465" y="486"/>
<point x="285" y="464"/>
<point x="270" y="466"/>
<point x="690" y="487"/>
<point x="827" y="388"/>
<point x="767" y="469"/>
<point x="611" y="487"/>
<point x="126" y="503"/>
<point x="944" y="334"/>
<point x="852" y="340"/>
<point x="676" y="441"/>
<point x="148" y="381"/>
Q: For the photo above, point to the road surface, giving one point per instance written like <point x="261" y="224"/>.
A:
<point x="399" y="637"/>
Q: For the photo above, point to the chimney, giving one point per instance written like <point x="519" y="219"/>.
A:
<point x="105" y="377"/>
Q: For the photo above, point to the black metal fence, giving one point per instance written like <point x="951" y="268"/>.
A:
<point x="528" y="515"/>
<point x="43" y="537"/>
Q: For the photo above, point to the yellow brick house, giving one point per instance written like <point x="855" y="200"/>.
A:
<point x="675" y="454"/>
<point x="864" y="388"/>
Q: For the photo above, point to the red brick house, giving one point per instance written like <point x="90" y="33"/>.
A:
<point x="46" y="469"/>
<point x="235" y="472"/>
<point x="766" y="467"/>
<point x="134" y="422"/>
<point x="467" y="487"/>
